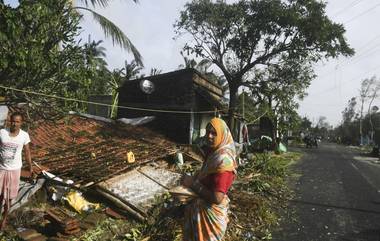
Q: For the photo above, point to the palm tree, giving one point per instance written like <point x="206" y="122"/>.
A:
<point x="154" y="71"/>
<point x="189" y="63"/>
<point x="110" y="29"/>
<point x="96" y="68"/>
<point x="94" y="53"/>
<point x="131" y="70"/>
<point x="203" y="68"/>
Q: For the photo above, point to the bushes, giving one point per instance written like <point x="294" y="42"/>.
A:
<point x="259" y="193"/>
<point x="266" y="164"/>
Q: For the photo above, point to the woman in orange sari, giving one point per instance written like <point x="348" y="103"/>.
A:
<point x="206" y="216"/>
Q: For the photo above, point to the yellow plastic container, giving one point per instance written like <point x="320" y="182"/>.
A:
<point x="130" y="157"/>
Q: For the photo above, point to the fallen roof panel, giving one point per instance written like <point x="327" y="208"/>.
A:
<point x="140" y="187"/>
<point x="85" y="150"/>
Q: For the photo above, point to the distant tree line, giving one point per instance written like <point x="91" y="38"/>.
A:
<point x="360" y="119"/>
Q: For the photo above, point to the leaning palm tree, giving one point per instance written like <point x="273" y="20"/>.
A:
<point x="109" y="28"/>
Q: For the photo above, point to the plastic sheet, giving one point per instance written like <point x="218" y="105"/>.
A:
<point x="77" y="201"/>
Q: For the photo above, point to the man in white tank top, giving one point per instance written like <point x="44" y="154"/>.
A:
<point x="12" y="142"/>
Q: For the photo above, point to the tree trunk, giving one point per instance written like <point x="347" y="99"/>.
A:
<point x="274" y="123"/>
<point x="274" y="133"/>
<point x="361" y="123"/>
<point x="361" y="131"/>
<point x="232" y="108"/>
<point x="370" y="115"/>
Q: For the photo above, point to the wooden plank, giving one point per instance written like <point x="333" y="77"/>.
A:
<point x="130" y="205"/>
<point x="206" y="84"/>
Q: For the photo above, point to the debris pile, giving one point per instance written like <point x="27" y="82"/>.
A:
<point x="65" y="224"/>
<point x="31" y="235"/>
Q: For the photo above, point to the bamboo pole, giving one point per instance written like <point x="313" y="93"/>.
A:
<point x="120" y="203"/>
<point x="136" y="209"/>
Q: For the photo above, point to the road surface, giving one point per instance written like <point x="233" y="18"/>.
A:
<point x="337" y="197"/>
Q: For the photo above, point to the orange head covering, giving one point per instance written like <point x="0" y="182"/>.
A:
<point x="223" y="156"/>
<point x="223" y="135"/>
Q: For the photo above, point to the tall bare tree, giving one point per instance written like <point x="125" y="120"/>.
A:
<point x="365" y="93"/>
<point x="374" y="93"/>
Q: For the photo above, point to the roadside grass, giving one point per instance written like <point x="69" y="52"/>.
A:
<point x="364" y="148"/>
<point x="259" y="195"/>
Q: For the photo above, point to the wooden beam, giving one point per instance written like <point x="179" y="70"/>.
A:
<point x="121" y="203"/>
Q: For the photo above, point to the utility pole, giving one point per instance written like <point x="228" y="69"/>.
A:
<point x="243" y="103"/>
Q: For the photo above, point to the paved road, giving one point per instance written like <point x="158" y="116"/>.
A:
<point x="337" y="197"/>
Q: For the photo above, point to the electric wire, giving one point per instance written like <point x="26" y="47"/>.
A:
<point x="352" y="4"/>
<point x="349" y="61"/>
<point x="361" y="14"/>
<point x="258" y="118"/>
<point x="108" y="105"/>
<point x="369" y="52"/>
<point x="355" y="78"/>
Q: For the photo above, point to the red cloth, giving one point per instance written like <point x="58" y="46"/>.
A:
<point x="219" y="182"/>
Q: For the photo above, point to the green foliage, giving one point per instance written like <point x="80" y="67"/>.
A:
<point x="38" y="50"/>
<point x="250" y="108"/>
<point x="240" y="36"/>
<point x="4" y="237"/>
<point x="37" y="38"/>
<point x="96" y="69"/>
<point x="131" y="70"/>
<point x="111" y="229"/>
<point x="188" y="169"/>
<point x="260" y="192"/>
<point x="305" y="124"/>
<point x="163" y="223"/>
<point x="265" y="171"/>
<point x="39" y="53"/>
<point x="264" y="164"/>
<point x="348" y="132"/>
<point x="133" y="235"/>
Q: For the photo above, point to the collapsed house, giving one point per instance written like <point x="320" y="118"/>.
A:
<point x="96" y="155"/>
<point x="182" y="101"/>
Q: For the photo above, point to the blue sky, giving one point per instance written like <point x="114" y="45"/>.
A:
<point x="149" y="24"/>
